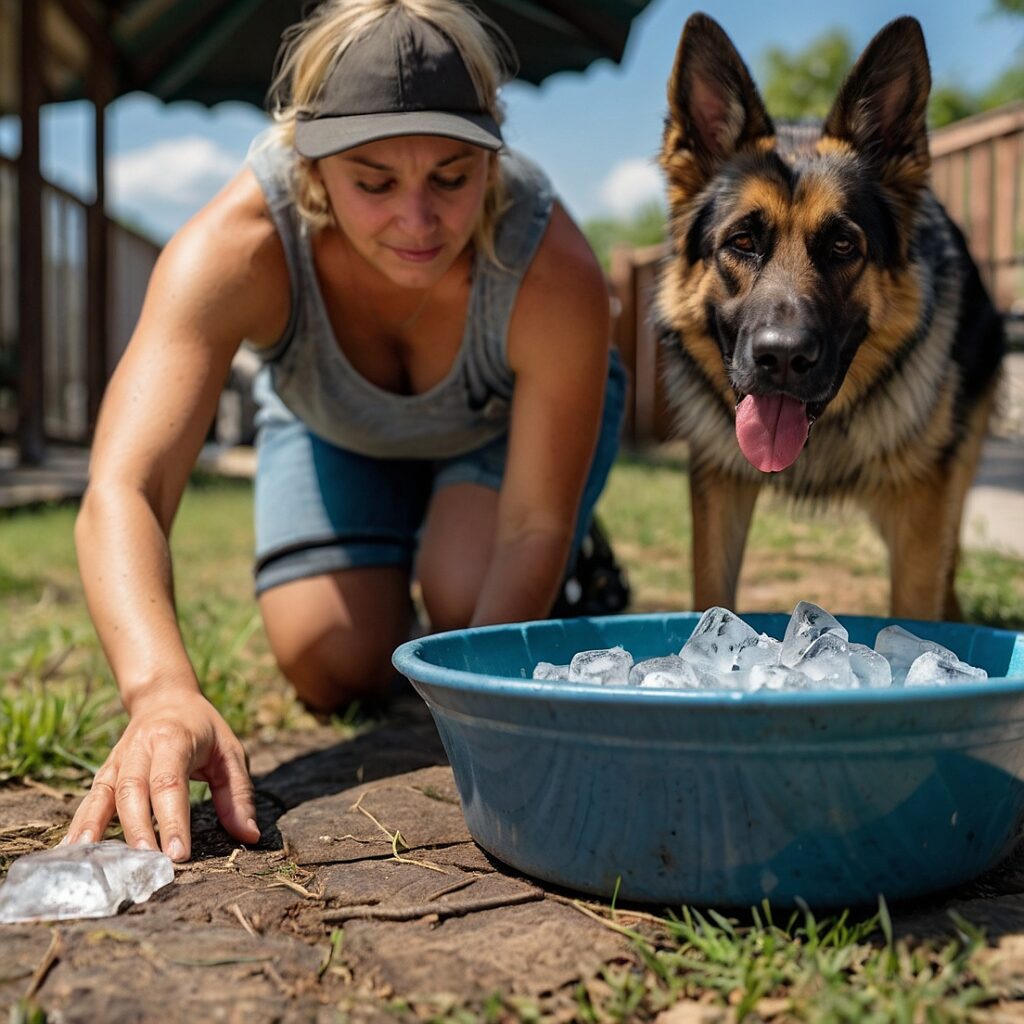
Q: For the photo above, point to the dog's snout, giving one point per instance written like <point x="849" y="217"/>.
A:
<point x="785" y="354"/>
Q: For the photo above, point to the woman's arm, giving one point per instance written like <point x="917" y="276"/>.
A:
<point x="558" y="349"/>
<point x="221" y="279"/>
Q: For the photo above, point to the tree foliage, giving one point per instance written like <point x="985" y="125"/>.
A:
<point x="645" y="227"/>
<point x="803" y="84"/>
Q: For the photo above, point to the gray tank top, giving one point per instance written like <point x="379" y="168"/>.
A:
<point x="307" y="374"/>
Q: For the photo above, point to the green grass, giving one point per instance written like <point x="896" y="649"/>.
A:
<point x="832" y="556"/>
<point x="832" y="970"/>
<point x="837" y="970"/>
<point x="59" y="710"/>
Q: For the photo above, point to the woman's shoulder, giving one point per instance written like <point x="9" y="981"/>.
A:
<point x="230" y="252"/>
<point x="528" y="201"/>
<point x="272" y="164"/>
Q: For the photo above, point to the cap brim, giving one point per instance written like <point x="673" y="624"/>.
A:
<point x="323" y="136"/>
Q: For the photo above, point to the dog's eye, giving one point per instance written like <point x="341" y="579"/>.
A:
<point x="743" y="242"/>
<point x="843" y="248"/>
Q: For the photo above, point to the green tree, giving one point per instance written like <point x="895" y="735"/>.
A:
<point x="645" y="227"/>
<point x="1007" y="87"/>
<point x="949" y="103"/>
<point x="804" y="84"/>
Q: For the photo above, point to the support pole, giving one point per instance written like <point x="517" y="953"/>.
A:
<point x="98" y="262"/>
<point x="31" y="431"/>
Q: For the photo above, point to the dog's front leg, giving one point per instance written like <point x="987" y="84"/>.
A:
<point x="722" y="507"/>
<point x="920" y="526"/>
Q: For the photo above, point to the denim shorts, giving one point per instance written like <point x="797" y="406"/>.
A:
<point x="320" y="508"/>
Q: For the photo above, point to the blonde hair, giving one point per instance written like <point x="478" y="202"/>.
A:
<point x="311" y="49"/>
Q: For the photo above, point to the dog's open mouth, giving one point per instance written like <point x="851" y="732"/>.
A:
<point x="771" y="430"/>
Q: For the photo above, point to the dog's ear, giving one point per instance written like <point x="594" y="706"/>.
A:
<point x="714" y="109"/>
<point x="881" y="109"/>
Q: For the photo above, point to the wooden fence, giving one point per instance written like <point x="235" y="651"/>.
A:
<point x="977" y="172"/>
<point x="131" y="259"/>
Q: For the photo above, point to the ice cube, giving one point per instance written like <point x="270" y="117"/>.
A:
<point x="827" y="659"/>
<point x="670" y="672"/>
<point x="607" y="667"/>
<point x="85" y="880"/>
<point x="901" y="648"/>
<point x="545" y="670"/>
<point x="777" y="677"/>
<point x="764" y="650"/>
<point x="806" y="624"/>
<point x="932" y="668"/>
<point x="870" y="668"/>
<point x="717" y="639"/>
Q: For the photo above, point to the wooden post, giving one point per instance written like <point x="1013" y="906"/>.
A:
<point x="97" y="274"/>
<point x="621" y="277"/>
<point x="31" y="429"/>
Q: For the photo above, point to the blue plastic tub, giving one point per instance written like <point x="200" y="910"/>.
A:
<point x="727" y="798"/>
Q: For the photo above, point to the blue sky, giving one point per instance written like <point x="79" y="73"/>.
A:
<point x="594" y="133"/>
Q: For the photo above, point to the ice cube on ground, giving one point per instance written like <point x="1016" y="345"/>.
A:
<point x="545" y="670"/>
<point x="85" y="880"/>
<point x="901" y="649"/>
<point x="806" y="624"/>
<point x="717" y="639"/>
<point x="607" y="667"/>
<point x="670" y="672"/>
<point x="931" y="668"/>
<point x="870" y="668"/>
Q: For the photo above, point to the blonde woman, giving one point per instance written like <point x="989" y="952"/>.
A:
<point x="437" y="396"/>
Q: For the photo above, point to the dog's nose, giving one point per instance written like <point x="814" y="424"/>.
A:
<point x="784" y="354"/>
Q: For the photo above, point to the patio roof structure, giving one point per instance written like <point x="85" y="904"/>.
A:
<point x="203" y="50"/>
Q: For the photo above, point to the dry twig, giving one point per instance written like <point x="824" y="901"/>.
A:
<point x="242" y="919"/>
<point x="415" y="911"/>
<point x="50" y="957"/>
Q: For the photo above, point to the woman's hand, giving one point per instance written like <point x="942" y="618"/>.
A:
<point x="172" y="737"/>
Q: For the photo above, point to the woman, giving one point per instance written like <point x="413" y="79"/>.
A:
<point x="434" y="331"/>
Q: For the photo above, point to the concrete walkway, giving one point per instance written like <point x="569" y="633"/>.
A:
<point x="994" y="515"/>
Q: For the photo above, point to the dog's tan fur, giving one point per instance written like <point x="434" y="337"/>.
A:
<point x="901" y="428"/>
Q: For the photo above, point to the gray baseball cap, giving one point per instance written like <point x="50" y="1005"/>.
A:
<point x="402" y="76"/>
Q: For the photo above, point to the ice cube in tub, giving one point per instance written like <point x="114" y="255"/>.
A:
<point x="717" y="640"/>
<point x="931" y="667"/>
<point x="901" y="649"/>
<point x="806" y="624"/>
<point x="670" y="672"/>
<point x="606" y="667"/>
<point x="546" y="670"/>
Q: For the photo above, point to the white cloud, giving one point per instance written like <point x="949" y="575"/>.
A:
<point x="631" y="184"/>
<point x="186" y="170"/>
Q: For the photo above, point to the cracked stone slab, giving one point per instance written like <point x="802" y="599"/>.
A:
<point x="216" y="973"/>
<point x="522" y="948"/>
<point x="422" y="806"/>
<point x="528" y="950"/>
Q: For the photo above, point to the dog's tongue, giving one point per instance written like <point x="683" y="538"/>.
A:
<point x="771" y="430"/>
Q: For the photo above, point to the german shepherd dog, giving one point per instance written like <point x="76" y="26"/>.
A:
<point x="828" y="330"/>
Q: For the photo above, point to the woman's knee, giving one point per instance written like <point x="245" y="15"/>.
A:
<point x="333" y="636"/>
<point x="331" y="670"/>
<point x="448" y="600"/>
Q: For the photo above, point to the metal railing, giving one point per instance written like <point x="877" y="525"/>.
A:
<point x="131" y="259"/>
